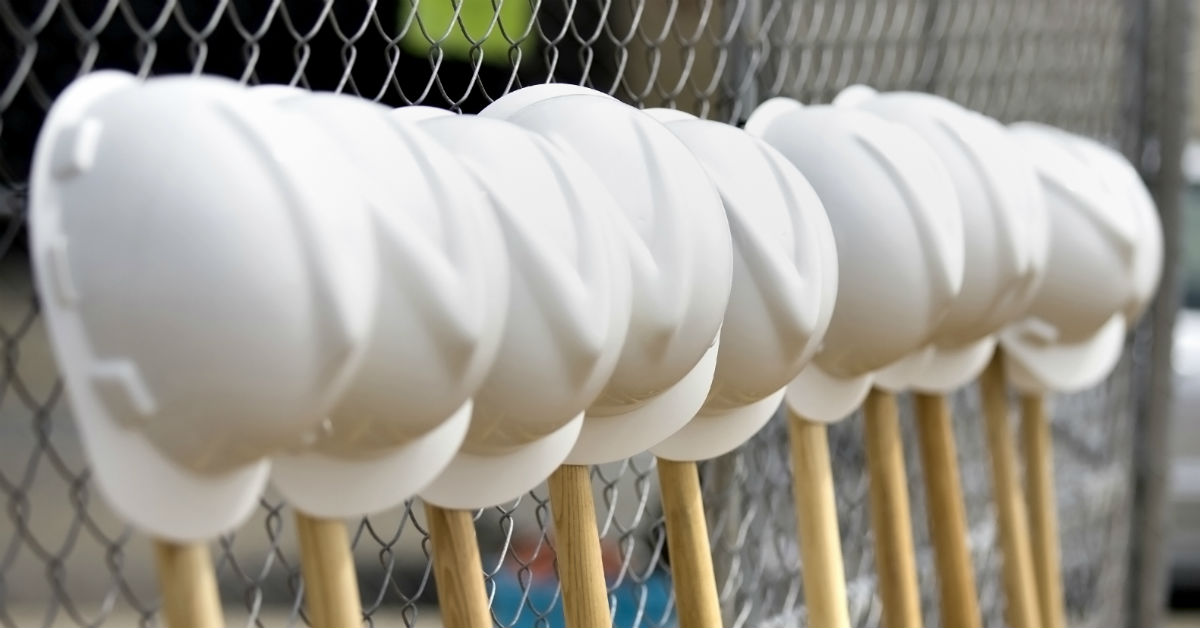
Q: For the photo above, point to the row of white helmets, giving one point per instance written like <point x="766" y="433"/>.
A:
<point x="363" y="303"/>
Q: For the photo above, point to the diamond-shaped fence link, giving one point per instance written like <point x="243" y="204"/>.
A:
<point x="65" y="559"/>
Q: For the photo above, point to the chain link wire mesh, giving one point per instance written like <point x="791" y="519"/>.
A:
<point x="66" y="560"/>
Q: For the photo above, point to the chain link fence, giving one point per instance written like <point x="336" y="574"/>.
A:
<point x="66" y="560"/>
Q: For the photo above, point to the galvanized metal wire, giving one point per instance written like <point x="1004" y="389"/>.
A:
<point x="65" y="559"/>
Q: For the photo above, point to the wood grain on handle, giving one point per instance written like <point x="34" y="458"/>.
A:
<point x="1017" y="564"/>
<point x="577" y="547"/>
<point x="891" y="521"/>
<point x="188" y="584"/>
<point x="1043" y="515"/>
<point x="687" y="540"/>
<point x="817" y="525"/>
<point x="330" y="582"/>
<point x="946" y="512"/>
<point x="457" y="568"/>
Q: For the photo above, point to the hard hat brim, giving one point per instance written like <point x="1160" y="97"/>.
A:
<point x="714" y="433"/>
<point x="1061" y="367"/>
<point x="607" y="438"/>
<point x="820" y="397"/>
<point x="339" y="488"/>
<point x="480" y="481"/>
<point x="937" y="370"/>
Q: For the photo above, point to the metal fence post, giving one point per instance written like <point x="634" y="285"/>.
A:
<point x="1165" y="130"/>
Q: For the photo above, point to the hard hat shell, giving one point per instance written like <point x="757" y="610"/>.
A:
<point x="1127" y="184"/>
<point x="681" y="260"/>
<point x="1093" y="239"/>
<point x="899" y="236"/>
<point x="205" y="305"/>
<point x="419" y="113"/>
<point x="516" y="100"/>
<point x="1005" y="229"/>
<point x="569" y="309"/>
<point x="443" y="298"/>
<point x="783" y="290"/>
<point x="1073" y="334"/>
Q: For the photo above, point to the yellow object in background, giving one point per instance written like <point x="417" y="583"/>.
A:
<point x="458" y="26"/>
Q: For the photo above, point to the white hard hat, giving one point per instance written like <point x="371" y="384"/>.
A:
<point x="569" y="309"/>
<point x="1125" y="183"/>
<point x="208" y="282"/>
<point x="516" y="100"/>
<point x="443" y="298"/>
<point x="1074" y="331"/>
<point x="419" y="113"/>
<point x="1005" y="228"/>
<point x="899" y="236"/>
<point x="680" y="255"/>
<point x="784" y="284"/>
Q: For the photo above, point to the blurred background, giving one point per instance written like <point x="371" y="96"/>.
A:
<point x="1127" y="452"/>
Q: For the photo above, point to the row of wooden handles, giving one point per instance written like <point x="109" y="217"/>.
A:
<point x="1030" y="571"/>
<point x="1028" y="534"/>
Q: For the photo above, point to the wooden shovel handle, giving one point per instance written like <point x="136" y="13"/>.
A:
<point x="330" y="582"/>
<point x="1043" y="515"/>
<point x="817" y="525"/>
<point x="1012" y="520"/>
<point x="457" y="568"/>
<point x="895" y="561"/>
<point x="188" y="584"/>
<point x="577" y="546"/>
<point x="695" y="585"/>
<point x="946" y="512"/>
